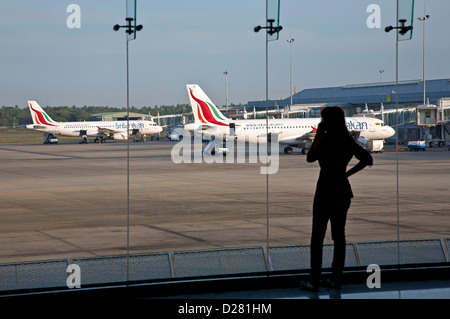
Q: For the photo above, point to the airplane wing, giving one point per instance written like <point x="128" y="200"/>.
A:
<point x="37" y="127"/>
<point x="106" y="131"/>
<point x="110" y="132"/>
<point x="206" y="127"/>
<point x="294" y="139"/>
<point x="208" y="130"/>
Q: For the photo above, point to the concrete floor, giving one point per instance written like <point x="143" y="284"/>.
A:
<point x="415" y="289"/>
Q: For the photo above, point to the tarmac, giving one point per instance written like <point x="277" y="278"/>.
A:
<point x="70" y="200"/>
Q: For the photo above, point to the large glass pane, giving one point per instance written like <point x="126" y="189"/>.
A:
<point x="60" y="203"/>
<point x="398" y="213"/>
<point x="63" y="201"/>
<point x="198" y="201"/>
<point x="179" y="208"/>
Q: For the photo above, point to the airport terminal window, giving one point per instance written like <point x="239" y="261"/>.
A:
<point x="74" y="207"/>
<point x="209" y="208"/>
<point x="129" y="211"/>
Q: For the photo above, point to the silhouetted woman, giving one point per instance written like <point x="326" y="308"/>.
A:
<point x="333" y="147"/>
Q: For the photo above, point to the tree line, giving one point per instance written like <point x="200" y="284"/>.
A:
<point x="16" y="116"/>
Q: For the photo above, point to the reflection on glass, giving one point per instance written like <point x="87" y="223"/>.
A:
<point x="131" y="13"/>
<point x="273" y="13"/>
<point x="405" y="18"/>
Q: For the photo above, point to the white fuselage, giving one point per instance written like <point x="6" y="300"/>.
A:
<point x="97" y="128"/>
<point x="297" y="132"/>
<point x="292" y="131"/>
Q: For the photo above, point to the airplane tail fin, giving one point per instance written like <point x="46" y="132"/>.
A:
<point x="39" y="116"/>
<point x="203" y="108"/>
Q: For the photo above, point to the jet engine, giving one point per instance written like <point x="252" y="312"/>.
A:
<point x="119" y="136"/>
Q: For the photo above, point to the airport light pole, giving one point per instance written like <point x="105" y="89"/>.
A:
<point x="270" y="31"/>
<point x="226" y="90"/>
<point x="130" y="29"/>
<point x="402" y="30"/>
<point x="424" y="18"/>
<point x="290" y="41"/>
<point x="131" y="35"/>
<point x="381" y="76"/>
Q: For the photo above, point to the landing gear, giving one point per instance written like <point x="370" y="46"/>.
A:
<point x="289" y="150"/>
<point x="101" y="140"/>
<point x="83" y="135"/>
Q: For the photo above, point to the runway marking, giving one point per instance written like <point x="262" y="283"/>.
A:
<point x="200" y="240"/>
<point x="39" y="153"/>
<point x="202" y="183"/>
<point x="408" y="201"/>
<point x="78" y="248"/>
<point x="57" y="191"/>
<point x="140" y="187"/>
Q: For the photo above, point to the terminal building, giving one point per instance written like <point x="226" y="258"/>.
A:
<point x="415" y="121"/>
<point x="118" y="116"/>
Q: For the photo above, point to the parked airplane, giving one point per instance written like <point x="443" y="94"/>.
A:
<point x="100" y="130"/>
<point x="295" y="132"/>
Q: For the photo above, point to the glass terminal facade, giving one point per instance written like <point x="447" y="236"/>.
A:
<point x="77" y="205"/>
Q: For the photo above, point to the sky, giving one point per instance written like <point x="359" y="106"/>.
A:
<point x="186" y="42"/>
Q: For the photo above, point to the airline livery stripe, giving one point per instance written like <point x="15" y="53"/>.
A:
<point x="41" y="117"/>
<point x="206" y="111"/>
<point x="48" y="118"/>
<point x="216" y="112"/>
<point x="199" y="114"/>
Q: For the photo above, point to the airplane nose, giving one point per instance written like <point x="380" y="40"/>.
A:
<point x="391" y="132"/>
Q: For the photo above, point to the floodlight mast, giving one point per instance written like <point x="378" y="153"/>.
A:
<point x="270" y="31"/>
<point x="129" y="26"/>
<point x="402" y="28"/>
<point x="402" y="31"/>
<point x="424" y="18"/>
<point x="270" y="28"/>
<point x="130" y="29"/>
<point x="290" y="69"/>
